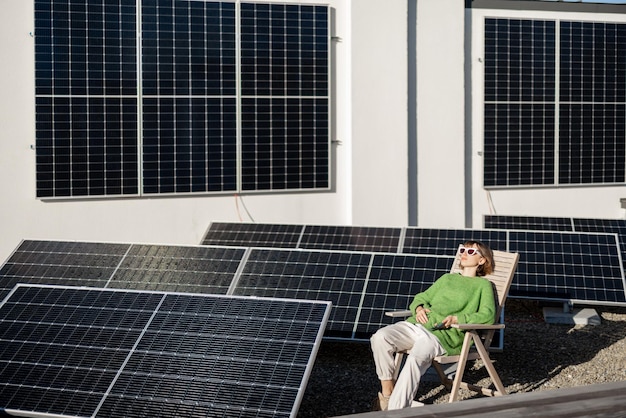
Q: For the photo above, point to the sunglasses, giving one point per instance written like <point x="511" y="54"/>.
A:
<point x="470" y="251"/>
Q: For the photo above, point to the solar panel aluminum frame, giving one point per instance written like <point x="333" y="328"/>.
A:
<point x="314" y="347"/>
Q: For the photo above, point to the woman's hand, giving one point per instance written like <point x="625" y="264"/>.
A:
<point x="449" y="320"/>
<point x="421" y="314"/>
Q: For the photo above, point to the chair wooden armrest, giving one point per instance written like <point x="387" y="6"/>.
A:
<point x="477" y="326"/>
<point x="399" y="314"/>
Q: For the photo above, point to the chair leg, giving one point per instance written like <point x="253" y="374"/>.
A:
<point x="460" y="368"/>
<point x="495" y="378"/>
<point x="447" y="382"/>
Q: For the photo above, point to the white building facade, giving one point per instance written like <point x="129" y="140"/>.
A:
<point x="411" y="99"/>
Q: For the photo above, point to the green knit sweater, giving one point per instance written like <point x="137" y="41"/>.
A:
<point x="471" y="299"/>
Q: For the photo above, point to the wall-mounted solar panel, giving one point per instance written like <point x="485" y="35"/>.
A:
<point x="178" y="268"/>
<point x="529" y="223"/>
<point x="338" y="277"/>
<point x="86" y="98"/>
<point x="580" y="267"/>
<point x="351" y="238"/>
<point x="189" y="106"/>
<point x="61" y="262"/>
<point x="285" y="72"/>
<point x="69" y="351"/>
<point x="445" y="241"/>
<point x="253" y="234"/>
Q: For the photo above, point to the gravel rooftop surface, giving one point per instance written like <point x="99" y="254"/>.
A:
<point x="536" y="356"/>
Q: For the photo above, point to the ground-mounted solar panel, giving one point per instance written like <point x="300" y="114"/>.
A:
<point x="253" y="234"/>
<point x="529" y="223"/>
<point x="577" y="267"/>
<point x="69" y="351"/>
<point x="178" y="268"/>
<point x="393" y="281"/>
<point x="61" y="262"/>
<point x="338" y="277"/>
<point x="444" y="241"/>
<point x="617" y="226"/>
<point x="351" y="238"/>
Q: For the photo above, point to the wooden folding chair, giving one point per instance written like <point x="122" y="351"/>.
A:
<point x="478" y="334"/>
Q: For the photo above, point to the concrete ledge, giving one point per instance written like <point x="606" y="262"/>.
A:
<point x="585" y="316"/>
<point x="606" y="400"/>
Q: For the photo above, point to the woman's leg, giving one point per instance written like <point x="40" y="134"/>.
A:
<point x="385" y="343"/>
<point x="426" y="347"/>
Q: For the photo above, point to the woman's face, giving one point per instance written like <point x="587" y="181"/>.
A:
<point x="471" y="256"/>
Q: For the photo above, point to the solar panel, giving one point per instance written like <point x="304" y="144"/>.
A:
<point x="531" y="223"/>
<point x="192" y="269"/>
<point x="338" y="277"/>
<point x="69" y="351"/>
<point x="285" y="72"/>
<point x="61" y="262"/>
<point x="580" y="267"/>
<point x="178" y="269"/>
<point x="443" y="241"/>
<point x="86" y="98"/>
<point x="202" y="97"/>
<point x="351" y="238"/>
<point x="253" y="234"/>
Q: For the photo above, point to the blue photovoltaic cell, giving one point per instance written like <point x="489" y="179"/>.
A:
<point x="253" y="235"/>
<point x="284" y="71"/>
<point x="351" y="238"/>
<point x="96" y="352"/>
<point x="86" y="146"/>
<point x="443" y="241"/>
<point x="189" y="105"/>
<point x="315" y="275"/>
<point x="61" y="263"/>
<point x="86" y="106"/>
<point x="530" y="223"/>
<point x="568" y="266"/>
<point x="178" y="269"/>
<point x="520" y="62"/>
<point x="580" y="225"/>
<point x="124" y="266"/>
<point x="62" y="348"/>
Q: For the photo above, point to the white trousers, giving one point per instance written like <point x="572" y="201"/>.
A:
<point x="421" y="346"/>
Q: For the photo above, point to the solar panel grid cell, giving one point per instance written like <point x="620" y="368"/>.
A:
<point x="314" y="275"/>
<point x="172" y="268"/>
<point x="61" y="262"/>
<point x="583" y="267"/>
<point x="351" y="238"/>
<point x="253" y="234"/>
<point x="443" y="241"/>
<point x="533" y="223"/>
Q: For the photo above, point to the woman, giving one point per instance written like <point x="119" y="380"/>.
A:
<point x="454" y="298"/>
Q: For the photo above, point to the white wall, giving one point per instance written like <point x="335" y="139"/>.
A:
<point x="379" y="112"/>
<point x="577" y="202"/>
<point x="440" y="113"/>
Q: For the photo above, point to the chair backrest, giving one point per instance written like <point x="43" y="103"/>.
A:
<point x="502" y="276"/>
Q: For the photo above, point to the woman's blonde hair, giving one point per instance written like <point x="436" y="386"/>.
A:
<point x="488" y="266"/>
